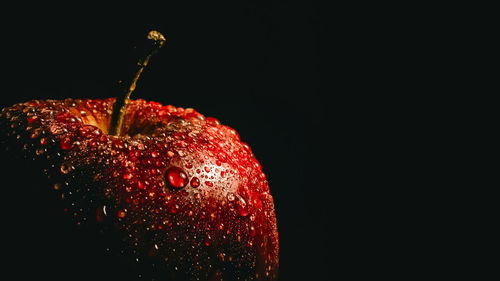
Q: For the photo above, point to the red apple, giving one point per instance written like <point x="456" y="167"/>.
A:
<point x="179" y="187"/>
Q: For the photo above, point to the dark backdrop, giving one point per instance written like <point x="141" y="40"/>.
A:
<point x="254" y="66"/>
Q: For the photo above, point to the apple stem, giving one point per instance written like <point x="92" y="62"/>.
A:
<point x="120" y="107"/>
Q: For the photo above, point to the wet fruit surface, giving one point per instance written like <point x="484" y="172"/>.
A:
<point x="182" y="191"/>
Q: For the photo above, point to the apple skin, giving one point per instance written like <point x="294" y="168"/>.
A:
<point x="182" y="191"/>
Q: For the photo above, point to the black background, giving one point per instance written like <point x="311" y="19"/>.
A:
<point x="253" y="65"/>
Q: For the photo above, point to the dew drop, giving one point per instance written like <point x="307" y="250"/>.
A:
<point x="174" y="208"/>
<point x="65" y="168"/>
<point x="252" y="231"/>
<point x="230" y="197"/>
<point x="222" y="157"/>
<point x="176" y="178"/>
<point x="241" y="205"/>
<point x="197" y="196"/>
<point x="121" y="214"/>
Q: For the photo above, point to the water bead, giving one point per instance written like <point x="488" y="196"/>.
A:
<point x="176" y="177"/>
<point x="195" y="182"/>
<point x="241" y="206"/>
<point x="230" y="197"/>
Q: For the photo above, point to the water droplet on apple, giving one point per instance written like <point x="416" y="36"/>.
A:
<point x="176" y="177"/>
<point x="174" y="208"/>
<point x="197" y="196"/>
<point x="35" y="134"/>
<point x="195" y="182"/>
<point x="222" y="157"/>
<point x="252" y="231"/>
<point x="241" y="206"/>
<point x="65" y="168"/>
<point x="121" y="213"/>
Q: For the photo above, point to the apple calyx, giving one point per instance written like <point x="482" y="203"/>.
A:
<point x="156" y="41"/>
